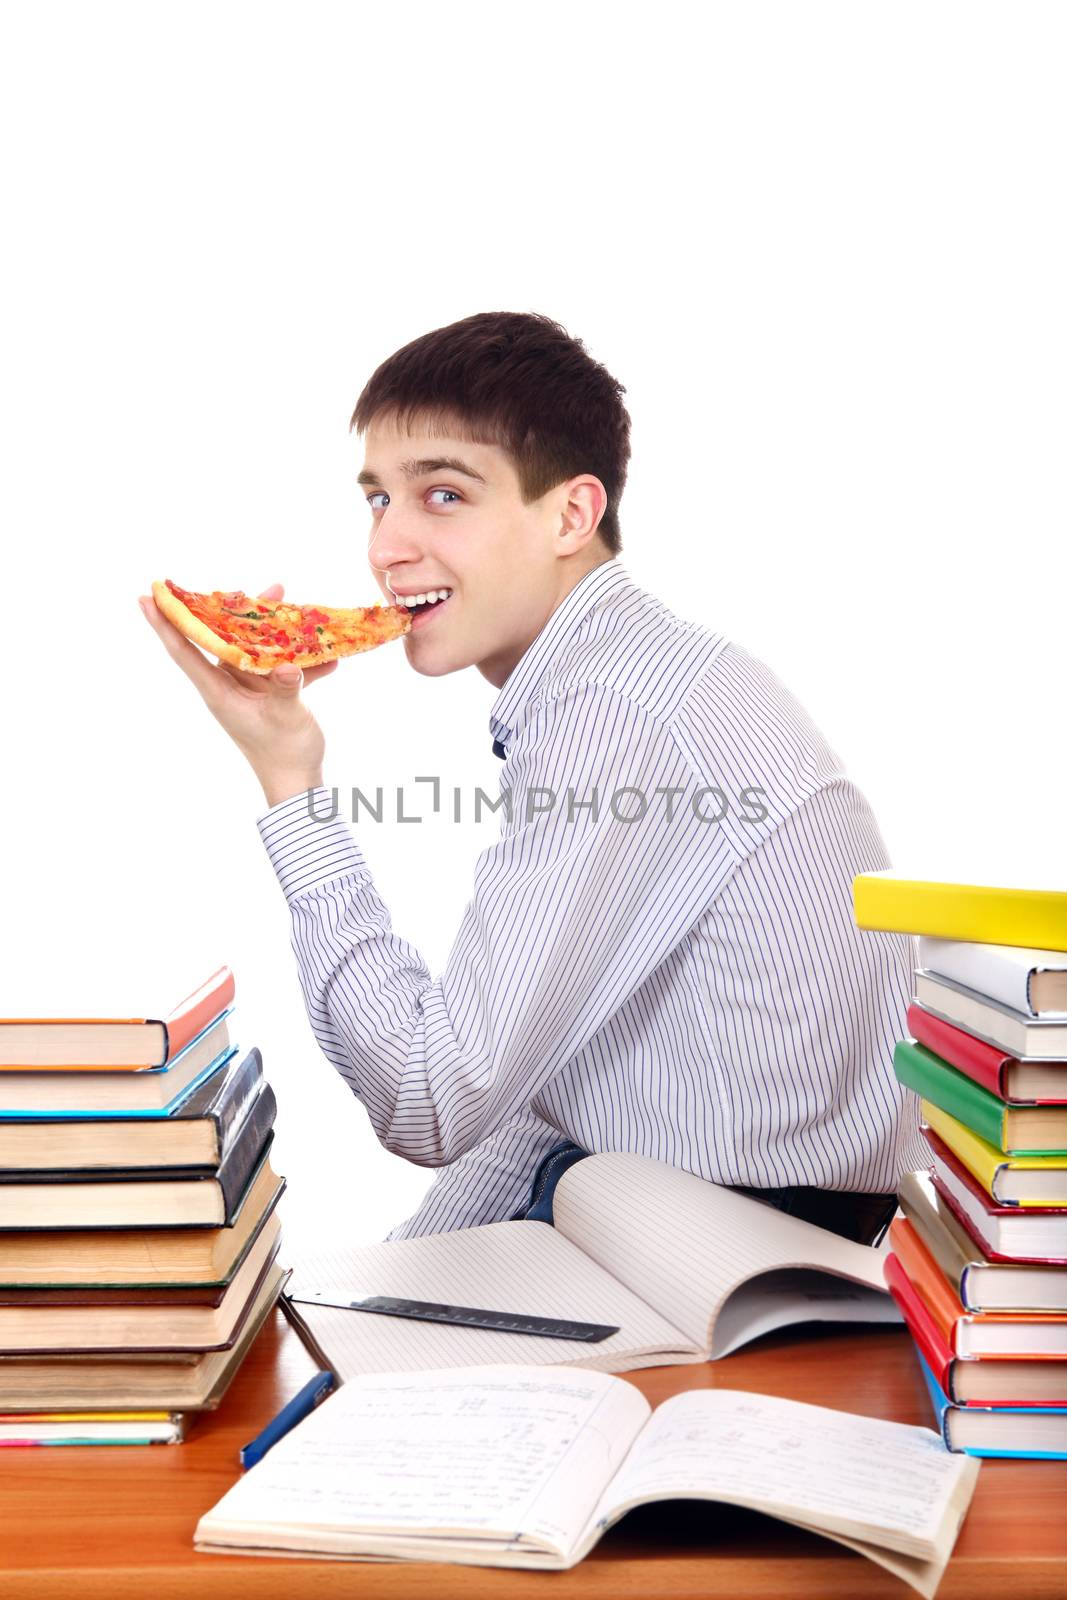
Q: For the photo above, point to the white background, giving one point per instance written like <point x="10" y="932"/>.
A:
<point x="823" y="247"/>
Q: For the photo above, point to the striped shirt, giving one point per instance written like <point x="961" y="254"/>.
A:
<point x="659" y="954"/>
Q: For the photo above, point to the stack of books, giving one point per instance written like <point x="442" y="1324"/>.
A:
<point x="138" y="1229"/>
<point x="978" y="1262"/>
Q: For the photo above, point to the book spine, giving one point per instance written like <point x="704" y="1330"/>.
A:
<point x="920" y="1324"/>
<point x="193" y="1014"/>
<point x="1031" y="918"/>
<point x="236" y="1097"/>
<point x="926" y="1279"/>
<point x="981" y="1159"/>
<point x="952" y="1253"/>
<point x="932" y="1079"/>
<point x="254" y="1137"/>
<point x="983" y="1063"/>
<point x="938" y="1398"/>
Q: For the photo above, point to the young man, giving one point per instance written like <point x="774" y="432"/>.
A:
<point x="659" y="954"/>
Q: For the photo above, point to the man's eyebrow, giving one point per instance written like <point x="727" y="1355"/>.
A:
<point x="419" y="469"/>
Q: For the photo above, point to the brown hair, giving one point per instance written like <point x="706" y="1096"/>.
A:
<point x="516" y="380"/>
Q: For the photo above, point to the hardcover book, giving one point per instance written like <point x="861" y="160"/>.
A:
<point x="973" y="1335"/>
<point x="1009" y="1180"/>
<point x="893" y="902"/>
<point x="118" y="1043"/>
<point x="1014" y="1130"/>
<point x="157" y="1092"/>
<point x="55" y="1326"/>
<point x="172" y="1382"/>
<point x="981" y="1283"/>
<point x="139" y="1257"/>
<point x="1031" y="981"/>
<point x="197" y="1133"/>
<point x="1037" y="1432"/>
<point x="1042" y="1038"/>
<point x="132" y="1199"/>
<point x="991" y="1383"/>
<point x="1003" y="1233"/>
<point x="1014" y="1080"/>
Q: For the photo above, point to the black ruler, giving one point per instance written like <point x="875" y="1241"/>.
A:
<point x="384" y="1305"/>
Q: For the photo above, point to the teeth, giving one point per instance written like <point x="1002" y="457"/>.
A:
<point x="410" y="600"/>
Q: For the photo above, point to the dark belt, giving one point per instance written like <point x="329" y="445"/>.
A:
<point x="849" y="1212"/>
<point x="852" y="1214"/>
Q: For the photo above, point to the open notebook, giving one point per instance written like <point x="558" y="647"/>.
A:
<point x="529" y="1466"/>
<point x="685" y="1269"/>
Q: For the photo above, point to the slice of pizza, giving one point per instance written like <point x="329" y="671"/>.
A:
<point x="256" y="635"/>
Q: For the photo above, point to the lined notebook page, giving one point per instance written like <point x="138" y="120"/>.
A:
<point x="685" y="1244"/>
<point x="501" y="1453"/>
<point x="522" y="1267"/>
<point x="877" y="1486"/>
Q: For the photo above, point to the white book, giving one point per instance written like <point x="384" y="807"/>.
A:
<point x="1033" y="982"/>
<point x="1019" y="1035"/>
<point x="501" y="1466"/>
<point x="685" y="1269"/>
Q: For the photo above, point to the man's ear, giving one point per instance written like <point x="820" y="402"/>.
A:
<point x="585" y="504"/>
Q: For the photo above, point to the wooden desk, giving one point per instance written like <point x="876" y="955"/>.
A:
<point x="117" y="1524"/>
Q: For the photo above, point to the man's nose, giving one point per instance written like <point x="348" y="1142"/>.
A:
<point x="390" y="545"/>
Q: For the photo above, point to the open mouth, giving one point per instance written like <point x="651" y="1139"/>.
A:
<point x="428" y="606"/>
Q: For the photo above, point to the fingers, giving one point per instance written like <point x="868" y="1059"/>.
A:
<point x="206" y="674"/>
<point x="274" y="591"/>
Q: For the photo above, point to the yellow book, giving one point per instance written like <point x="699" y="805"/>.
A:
<point x="86" y="1416"/>
<point x="1008" y="1180"/>
<point x="891" y="902"/>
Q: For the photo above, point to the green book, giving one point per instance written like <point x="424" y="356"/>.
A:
<point x="1013" y="1130"/>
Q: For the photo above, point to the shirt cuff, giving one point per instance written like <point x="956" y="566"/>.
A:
<point x="307" y="844"/>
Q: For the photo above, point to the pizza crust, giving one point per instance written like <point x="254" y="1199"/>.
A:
<point x="177" y="612"/>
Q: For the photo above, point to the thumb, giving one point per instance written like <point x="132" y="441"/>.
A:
<point x="288" y="679"/>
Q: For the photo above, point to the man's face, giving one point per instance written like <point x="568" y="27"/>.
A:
<point x="437" y="526"/>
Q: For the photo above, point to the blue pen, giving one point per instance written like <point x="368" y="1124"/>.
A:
<point x="299" y="1407"/>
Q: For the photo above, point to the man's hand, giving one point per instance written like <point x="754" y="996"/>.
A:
<point x="262" y="713"/>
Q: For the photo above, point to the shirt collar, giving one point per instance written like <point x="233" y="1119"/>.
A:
<point x="530" y="669"/>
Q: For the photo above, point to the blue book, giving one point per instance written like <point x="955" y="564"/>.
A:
<point x="1036" y="1433"/>
<point x="150" y="1092"/>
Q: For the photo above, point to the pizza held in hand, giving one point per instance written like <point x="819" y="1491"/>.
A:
<point x="258" y="635"/>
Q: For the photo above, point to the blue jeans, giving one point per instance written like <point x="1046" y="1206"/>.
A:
<point x="853" y="1215"/>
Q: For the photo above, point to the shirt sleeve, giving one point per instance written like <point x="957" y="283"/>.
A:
<point x="608" y="856"/>
<point x="487" y="1184"/>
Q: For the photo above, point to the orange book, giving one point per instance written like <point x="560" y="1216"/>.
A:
<point x="989" y="1335"/>
<point x="116" y="1044"/>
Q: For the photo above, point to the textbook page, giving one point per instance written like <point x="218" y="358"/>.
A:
<point x="504" y="1266"/>
<point x="886" y="1489"/>
<point x="686" y="1245"/>
<point x="440" y="1465"/>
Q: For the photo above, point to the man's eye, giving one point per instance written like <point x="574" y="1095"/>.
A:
<point x="372" y="497"/>
<point x="452" y="492"/>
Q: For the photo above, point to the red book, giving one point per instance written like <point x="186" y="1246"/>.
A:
<point x="1014" y="1335"/>
<point x="1036" y="1234"/>
<point x="976" y="1383"/>
<point x="1012" y="1080"/>
<point x="133" y="1044"/>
